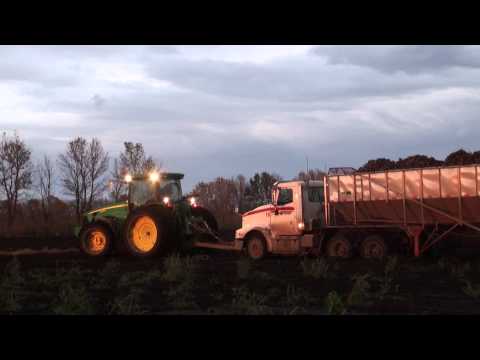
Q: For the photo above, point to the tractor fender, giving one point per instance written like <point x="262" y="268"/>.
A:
<point x="108" y="223"/>
<point x="264" y="232"/>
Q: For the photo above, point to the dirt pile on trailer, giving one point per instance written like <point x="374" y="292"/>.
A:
<point x="459" y="157"/>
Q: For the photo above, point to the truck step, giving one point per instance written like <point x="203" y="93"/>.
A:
<point x="224" y="245"/>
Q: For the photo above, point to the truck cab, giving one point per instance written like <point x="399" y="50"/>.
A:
<point x="286" y="225"/>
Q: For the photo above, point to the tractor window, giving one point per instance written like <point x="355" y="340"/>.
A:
<point x="285" y="196"/>
<point x="141" y="192"/>
<point x="170" y="189"/>
<point x="315" y="194"/>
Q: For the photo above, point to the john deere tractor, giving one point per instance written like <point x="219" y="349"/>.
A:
<point x="155" y="219"/>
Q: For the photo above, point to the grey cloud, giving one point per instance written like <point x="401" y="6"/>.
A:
<point x="407" y="58"/>
<point x="207" y="119"/>
<point x="67" y="65"/>
<point x="98" y="101"/>
<point x="22" y="64"/>
<point x="102" y="51"/>
<point x="301" y="80"/>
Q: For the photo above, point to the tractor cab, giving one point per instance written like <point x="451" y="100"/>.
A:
<point x="164" y="188"/>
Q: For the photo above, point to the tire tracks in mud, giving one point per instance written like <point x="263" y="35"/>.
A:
<point x="44" y="251"/>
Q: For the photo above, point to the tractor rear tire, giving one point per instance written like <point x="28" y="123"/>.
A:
<point x="96" y="240"/>
<point x="145" y="233"/>
<point x="339" y="247"/>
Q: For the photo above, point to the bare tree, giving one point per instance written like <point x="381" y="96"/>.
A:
<point x="83" y="167"/>
<point x="15" y="172"/>
<point x="134" y="161"/>
<point x="312" y="174"/>
<point x="97" y="166"/>
<point x="220" y="197"/>
<point x="117" y="186"/>
<point x="73" y="168"/>
<point x="45" y="184"/>
<point x="260" y="186"/>
<point x="241" y="185"/>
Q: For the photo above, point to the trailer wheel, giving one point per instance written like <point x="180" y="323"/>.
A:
<point x="373" y="247"/>
<point x="95" y="240"/>
<point x="256" y="247"/>
<point x="340" y="247"/>
<point x="144" y="232"/>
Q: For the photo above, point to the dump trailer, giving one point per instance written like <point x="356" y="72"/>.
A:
<point x="426" y="204"/>
<point x="369" y="214"/>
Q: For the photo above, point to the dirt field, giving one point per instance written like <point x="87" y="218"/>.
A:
<point x="62" y="281"/>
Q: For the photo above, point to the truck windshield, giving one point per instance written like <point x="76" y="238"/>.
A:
<point x="143" y="191"/>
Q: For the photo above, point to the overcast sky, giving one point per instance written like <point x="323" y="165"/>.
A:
<point x="213" y="111"/>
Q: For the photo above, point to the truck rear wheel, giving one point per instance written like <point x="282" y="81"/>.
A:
<point x="339" y="247"/>
<point x="373" y="247"/>
<point x="95" y="240"/>
<point x="144" y="233"/>
<point x="256" y="247"/>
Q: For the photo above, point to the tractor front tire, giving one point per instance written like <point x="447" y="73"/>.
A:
<point x="96" y="240"/>
<point x="145" y="232"/>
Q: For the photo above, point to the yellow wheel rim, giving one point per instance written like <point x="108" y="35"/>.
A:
<point x="144" y="234"/>
<point x="97" y="241"/>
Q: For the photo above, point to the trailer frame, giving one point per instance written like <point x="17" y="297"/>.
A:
<point x="413" y="230"/>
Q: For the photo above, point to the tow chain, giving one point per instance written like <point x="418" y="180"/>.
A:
<point x="205" y="230"/>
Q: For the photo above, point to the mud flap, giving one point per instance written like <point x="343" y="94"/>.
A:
<point x="306" y="241"/>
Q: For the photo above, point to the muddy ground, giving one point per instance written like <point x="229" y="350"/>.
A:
<point x="54" y="278"/>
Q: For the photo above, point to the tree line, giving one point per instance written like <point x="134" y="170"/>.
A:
<point x="82" y="172"/>
<point x="88" y="175"/>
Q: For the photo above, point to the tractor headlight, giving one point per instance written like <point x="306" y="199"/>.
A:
<point x="154" y="176"/>
<point x="128" y="178"/>
<point x="166" y="200"/>
<point x="301" y="226"/>
<point x="193" y="201"/>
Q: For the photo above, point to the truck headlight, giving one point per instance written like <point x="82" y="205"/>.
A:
<point x="301" y="226"/>
<point x="166" y="200"/>
<point x="193" y="201"/>
<point x="128" y="178"/>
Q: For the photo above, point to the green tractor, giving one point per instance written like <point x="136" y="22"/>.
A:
<point x="154" y="220"/>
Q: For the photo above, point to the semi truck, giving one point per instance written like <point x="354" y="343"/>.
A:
<point x="347" y="214"/>
<point x="366" y="214"/>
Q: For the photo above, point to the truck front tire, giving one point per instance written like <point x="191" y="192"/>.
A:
<point x="256" y="247"/>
